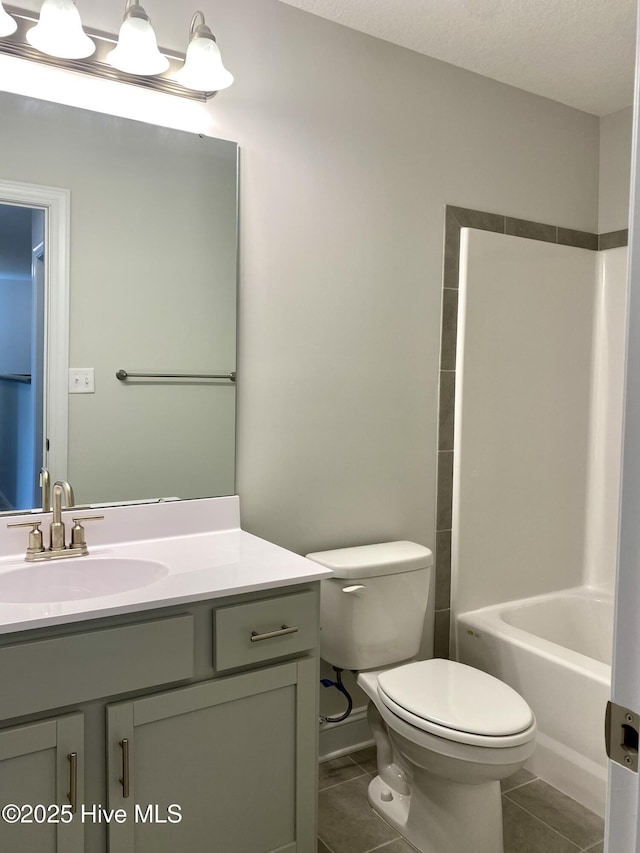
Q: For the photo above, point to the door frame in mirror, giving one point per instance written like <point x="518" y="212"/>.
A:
<point x="56" y="204"/>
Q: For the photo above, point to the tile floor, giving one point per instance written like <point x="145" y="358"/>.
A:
<point x="537" y="817"/>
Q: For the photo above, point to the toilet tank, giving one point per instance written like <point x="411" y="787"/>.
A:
<point x="372" y="610"/>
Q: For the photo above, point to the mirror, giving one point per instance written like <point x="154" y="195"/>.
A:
<point x="152" y="289"/>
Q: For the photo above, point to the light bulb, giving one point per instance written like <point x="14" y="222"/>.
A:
<point x="59" y="31"/>
<point x="203" y="70"/>
<point x="137" y="49"/>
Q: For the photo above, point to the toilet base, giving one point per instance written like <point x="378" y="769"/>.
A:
<point x="440" y="816"/>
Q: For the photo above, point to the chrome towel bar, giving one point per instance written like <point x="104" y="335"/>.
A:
<point x="123" y="374"/>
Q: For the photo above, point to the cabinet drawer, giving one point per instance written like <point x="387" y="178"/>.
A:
<point x="79" y="667"/>
<point x="246" y="634"/>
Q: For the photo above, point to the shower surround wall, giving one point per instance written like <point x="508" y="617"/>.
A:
<point x="526" y="353"/>
<point x="542" y="516"/>
<point x="607" y="405"/>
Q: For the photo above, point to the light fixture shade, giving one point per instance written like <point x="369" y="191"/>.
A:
<point x="137" y="49"/>
<point x="8" y="25"/>
<point x="59" y="31"/>
<point x="203" y="70"/>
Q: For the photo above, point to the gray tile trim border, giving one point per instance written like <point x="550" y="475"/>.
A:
<point x="441" y="633"/>
<point x="613" y="239"/>
<point x="444" y="496"/>
<point x="443" y="570"/>
<point x="452" y="227"/>
<point x="479" y="219"/>
<point x="449" y="328"/>
<point x="457" y="218"/>
<point x="446" y="407"/>
<point x="579" y="239"/>
<point x="531" y="230"/>
<point x="466" y="218"/>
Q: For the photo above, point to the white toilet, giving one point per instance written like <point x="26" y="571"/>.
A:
<point x="446" y="733"/>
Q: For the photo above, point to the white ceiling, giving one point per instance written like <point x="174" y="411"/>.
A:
<point x="578" y="52"/>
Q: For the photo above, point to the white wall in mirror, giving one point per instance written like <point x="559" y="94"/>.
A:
<point x="152" y="289"/>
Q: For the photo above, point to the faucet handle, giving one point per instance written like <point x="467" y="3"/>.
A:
<point x="77" y="531"/>
<point x="35" y="536"/>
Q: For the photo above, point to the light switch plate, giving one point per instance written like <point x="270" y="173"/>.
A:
<point x="81" y="380"/>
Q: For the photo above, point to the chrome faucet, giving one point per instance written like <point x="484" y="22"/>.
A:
<point x="57" y="529"/>
<point x="57" y="534"/>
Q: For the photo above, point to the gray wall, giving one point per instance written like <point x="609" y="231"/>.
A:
<point x="15" y="326"/>
<point x="16" y="444"/>
<point x="615" y="170"/>
<point x="346" y="170"/>
<point x="350" y="149"/>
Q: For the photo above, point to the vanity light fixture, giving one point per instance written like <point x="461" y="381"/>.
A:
<point x="203" y="68"/>
<point x="137" y="49"/>
<point x="8" y="25"/>
<point x="57" y="38"/>
<point x="59" y="31"/>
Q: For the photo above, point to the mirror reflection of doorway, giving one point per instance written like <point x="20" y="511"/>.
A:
<point x="22" y="311"/>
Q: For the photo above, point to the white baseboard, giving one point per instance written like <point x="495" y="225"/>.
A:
<point x="337" y="739"/>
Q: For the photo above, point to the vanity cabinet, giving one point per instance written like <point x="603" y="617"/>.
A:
<point x="42" y="763"/>
<point x="223" y="758"/>
<point x="197" y="726"/>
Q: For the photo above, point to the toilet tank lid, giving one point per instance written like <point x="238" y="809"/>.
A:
<point x="367" y="561"/>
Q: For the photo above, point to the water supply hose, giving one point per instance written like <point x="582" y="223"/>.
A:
<point x="326" y="682"/>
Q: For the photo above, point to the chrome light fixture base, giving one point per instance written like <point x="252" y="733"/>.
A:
<point x="17" y="45"/>
<point x="7" y="23"/>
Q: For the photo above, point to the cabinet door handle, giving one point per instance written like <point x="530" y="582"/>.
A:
<point x="73" y="781"/>
<point x="124" y="744"/>
<point x="255" y="637"/>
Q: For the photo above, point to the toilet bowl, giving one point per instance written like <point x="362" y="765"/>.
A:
<point x="446" y="733"/>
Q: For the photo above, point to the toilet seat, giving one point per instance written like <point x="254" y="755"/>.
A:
<point x="456" y="702"/>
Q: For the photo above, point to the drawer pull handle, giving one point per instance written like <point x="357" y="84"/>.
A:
<point x="124" y="743"/>
<point x="73" y="781"/>
<point x="255" y="637"/>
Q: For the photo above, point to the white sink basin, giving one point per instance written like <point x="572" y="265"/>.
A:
<point x="77" y="578"/>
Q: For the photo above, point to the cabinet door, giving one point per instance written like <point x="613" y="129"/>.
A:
<point x="236" y="755"/>
<point x="41" y="764"/>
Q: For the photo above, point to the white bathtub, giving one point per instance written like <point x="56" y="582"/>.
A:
<point x="555" y="650"/>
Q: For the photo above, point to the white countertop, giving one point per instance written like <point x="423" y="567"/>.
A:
<point x="206" y="557"/>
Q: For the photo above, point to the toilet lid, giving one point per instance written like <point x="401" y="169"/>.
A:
<point x="455" y="696"/>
